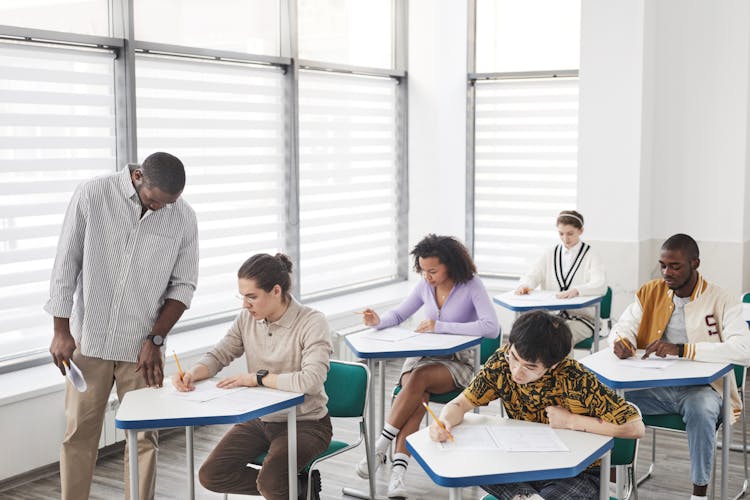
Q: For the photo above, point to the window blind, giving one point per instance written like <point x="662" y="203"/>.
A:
<point x="526" y="150"/>
<point x="348" y="132"/>
<point x="57" y="129"/>
<point x="226" y="123"/>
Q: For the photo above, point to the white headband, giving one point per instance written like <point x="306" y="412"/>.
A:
<point x="571" y="216"/>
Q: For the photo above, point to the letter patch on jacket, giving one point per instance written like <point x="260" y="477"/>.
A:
<point x="711" y="324"/>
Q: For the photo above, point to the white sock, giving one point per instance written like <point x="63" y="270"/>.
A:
<point x="695" y="497"/>
<point x="400" y="460"/>
<point x="386" y="436"/>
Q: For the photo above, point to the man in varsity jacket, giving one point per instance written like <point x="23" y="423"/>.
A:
<point x="684" y="315"/>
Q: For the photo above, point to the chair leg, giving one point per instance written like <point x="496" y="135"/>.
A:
<point x="651" y="467"/>
<point x="633" y="490"/>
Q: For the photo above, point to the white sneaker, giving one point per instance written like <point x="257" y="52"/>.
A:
<point x="361" y="467"/>
<point x="396" y="486"/>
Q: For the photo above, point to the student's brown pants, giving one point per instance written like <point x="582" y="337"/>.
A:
<point x="84" y="415"/>
<point x="226" y="470"/>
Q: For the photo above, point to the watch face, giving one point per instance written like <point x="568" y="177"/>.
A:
<point x="157" y="340"/>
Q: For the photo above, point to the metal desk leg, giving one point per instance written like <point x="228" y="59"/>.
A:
<point x="620" y="469"/>
<point x="291" y="429"/>
<point x="133" y="463"/>
<point x="727" y="438"/>
<point x="604" y="477"/>
<point x="454" y="494"/>
<point x="190" y="461"/>
<point x="597" y="325"/>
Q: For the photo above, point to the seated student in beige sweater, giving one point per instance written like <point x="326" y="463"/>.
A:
<point x="287" y="346"/>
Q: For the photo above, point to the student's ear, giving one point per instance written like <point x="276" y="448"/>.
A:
<point x="696" y="263"/>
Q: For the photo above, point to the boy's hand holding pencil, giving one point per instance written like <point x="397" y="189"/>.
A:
<point x="438" y="430"/>
<point x="182" y="381"/>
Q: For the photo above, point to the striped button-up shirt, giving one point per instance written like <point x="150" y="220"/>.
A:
<point x="114" y="268"/>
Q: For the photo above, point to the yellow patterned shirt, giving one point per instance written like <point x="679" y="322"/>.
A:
<point x="569" y="385"/>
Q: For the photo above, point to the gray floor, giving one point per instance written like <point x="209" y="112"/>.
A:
<point x="671" y="480"/>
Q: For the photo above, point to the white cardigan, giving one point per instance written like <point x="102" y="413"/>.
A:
<point x="587" y="276"/>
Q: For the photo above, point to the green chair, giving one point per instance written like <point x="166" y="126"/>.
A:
<point x="347" y="389"/>
<point x="672" y="422"/>
<point x="605" y="309"/>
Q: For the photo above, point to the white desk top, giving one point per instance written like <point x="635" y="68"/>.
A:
<point x="543" y="299"/>
<point x="151" y="408"/>
<point x="458" y="468"/>
<point x="680" y="373"/>
<point x="365" y="345"/>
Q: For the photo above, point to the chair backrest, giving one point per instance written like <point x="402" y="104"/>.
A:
<point x="488" y="347"/>
<point x="739" y="376"/>
<point x="605" y="308"/>
<point x="346" y="387"/>
<point x="746" y="297"/>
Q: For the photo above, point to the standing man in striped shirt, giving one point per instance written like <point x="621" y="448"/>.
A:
<point x="125" y="271"/>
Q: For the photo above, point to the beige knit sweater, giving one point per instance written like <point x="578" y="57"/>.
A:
<point x="296" y="347"/>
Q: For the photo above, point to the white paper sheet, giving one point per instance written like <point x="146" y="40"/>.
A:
<point x="205" y="390"/>
<point x="393" y="334"/>
<point x="653" y="362"/>
<point x="505" y="438"/>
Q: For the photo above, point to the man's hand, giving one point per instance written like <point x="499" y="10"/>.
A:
<point x="567" y="294"/>
<point x="370" y="317"/>
<point x="559" y="417"/>
<point x="426" y="326"/>
<point x="661" y="349"/>
<point x="243" y="380"/>
<point x="151" y="364"/>
<point x="623" y="348"/>
<point x="522" y="290"/>
<point x="62" y="348"/>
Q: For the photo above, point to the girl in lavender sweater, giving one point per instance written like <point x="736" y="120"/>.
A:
<point x="455" y="302"/>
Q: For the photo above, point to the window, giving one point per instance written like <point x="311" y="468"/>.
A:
<point x="353" y="32"/>
<point x="57" y="128"/>
<point x="226" y="123"/>
<point x="348" y="180"/>
<point x="249" y="26"/>
<point x="524" y="106"/>
<point x="305" y="158"/>
<point x="89" y="17"/>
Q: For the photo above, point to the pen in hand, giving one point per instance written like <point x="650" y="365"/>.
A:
<point x="435" y="417"/>
<point x="626" y="344"/>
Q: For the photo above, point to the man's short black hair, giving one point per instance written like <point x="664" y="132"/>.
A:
<point x="541" y="337"/>
<point x="684" y="243"/>
<point x="164" y="171"/>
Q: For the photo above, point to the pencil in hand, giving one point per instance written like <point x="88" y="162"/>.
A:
<point x="179" y="368"/>
<point x="626" y="344"/>
<point x="435" y="417"/>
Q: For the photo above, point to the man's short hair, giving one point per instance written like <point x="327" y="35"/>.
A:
<point x="541" y="337"/>
<point x="164" y="171"/>
<point x="683" y="243"/>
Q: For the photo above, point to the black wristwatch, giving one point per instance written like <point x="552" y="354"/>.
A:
<point x="259" y="376"/>
<point x="157" y="340"/>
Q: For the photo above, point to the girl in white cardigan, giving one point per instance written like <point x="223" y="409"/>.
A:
<point x="571" y="268"/>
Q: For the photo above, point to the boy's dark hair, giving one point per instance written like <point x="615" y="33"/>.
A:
<point x="684" y="243"/>
<point x="540" y="337"/>
<point x="164" y="171"/>
<point x="450" y="252"/>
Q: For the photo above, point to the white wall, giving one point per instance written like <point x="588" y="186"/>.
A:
<point x="663" y="136"/>
<point x="437" y="118"/>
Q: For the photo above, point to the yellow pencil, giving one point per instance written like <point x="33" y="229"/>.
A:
<point x="179" y="368"/>
<point x="432" y="413"/>
<point x="626" y="344"/>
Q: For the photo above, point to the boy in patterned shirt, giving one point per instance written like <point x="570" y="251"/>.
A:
<point x="538" y="383"/>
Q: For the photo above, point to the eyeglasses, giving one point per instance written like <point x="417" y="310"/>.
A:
<point x="244" y="298"/>
<point x="512" y="359"/>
